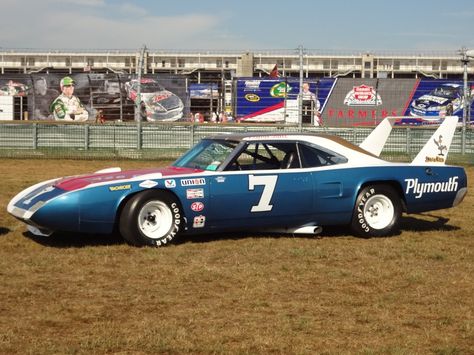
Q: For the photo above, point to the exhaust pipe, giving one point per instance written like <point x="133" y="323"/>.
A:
<point x="299" y="230"/>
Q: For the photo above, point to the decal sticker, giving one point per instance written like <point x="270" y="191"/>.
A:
<point x="419" y="188"/>
<point x="197" y="206"/>
<point x="269" y="183"/>
<point x="120" y="187"/>
<point x="192" y="194"/>
<point x="193" y="182"/>
<point x="148" y="184"/>
<point x="280" y="90"/>
<point x="170" y="183"/>
<point x="199" y="221"/>
<point x="220" y="179"/>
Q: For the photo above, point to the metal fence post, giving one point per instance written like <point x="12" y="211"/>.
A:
<point x="408" y="140"/>
<point x="191" y="127"/>
<point x="463" y="140"/>
<point x="35" y="136"/>
<point x="139" y="135"/>
<point x="86" y="137"/>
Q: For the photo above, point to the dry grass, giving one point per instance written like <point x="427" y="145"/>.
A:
<point x="247" y="294"/>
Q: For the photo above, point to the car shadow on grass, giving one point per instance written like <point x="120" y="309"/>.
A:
<point x="75" y="240"/>
<point x="426" y="223"/>
<point x="408" y="223"/>
<point x="4" y="230"/>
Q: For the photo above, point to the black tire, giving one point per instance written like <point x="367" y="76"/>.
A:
<point x="150" y="218"/>
<point x="377" y="211"/>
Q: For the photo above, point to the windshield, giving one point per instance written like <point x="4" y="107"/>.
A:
<point x="207" y="155"/>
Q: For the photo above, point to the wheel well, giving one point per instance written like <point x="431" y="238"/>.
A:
<point x="392" y="183"/>
<point x="128" y="197"/>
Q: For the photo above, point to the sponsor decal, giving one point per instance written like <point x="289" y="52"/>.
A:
<point x="362" y="95"/>
<point x="148" y="184"/>
<point x="193" y="182"/>
<point x="420" y="188"/>
<point x="252" y="97"/>
<point x="442" y="148"/>
<point x="220" y="179"/>
<point x="120" y="187"/>
<point x="280" y="90"/>
<point x="170" y="183"/>
<point x="192" y="194"/>
<point x="199" y="221"/>
<point x="197" y="206"/>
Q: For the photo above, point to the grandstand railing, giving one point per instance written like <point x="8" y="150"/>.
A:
<point x="165" y="141"/>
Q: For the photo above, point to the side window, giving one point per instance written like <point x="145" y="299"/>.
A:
<point x="264" y="156"/>
<point x="314" y="156"/>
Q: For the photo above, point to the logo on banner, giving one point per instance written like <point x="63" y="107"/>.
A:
<point x="280" y="90"/>
<point x="252" y="97"/>
<point x="362" y="95"/>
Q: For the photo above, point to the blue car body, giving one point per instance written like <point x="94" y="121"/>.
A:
<point x="244" y="182"/>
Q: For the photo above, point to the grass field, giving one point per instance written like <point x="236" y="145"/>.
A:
<point x="245" y="294"/>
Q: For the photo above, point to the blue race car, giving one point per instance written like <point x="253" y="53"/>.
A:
<point x="274" y="182"/>
<point x="434" y="104"/>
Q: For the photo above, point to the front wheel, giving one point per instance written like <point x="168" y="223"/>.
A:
<point x="377" y="211"/>
<point x="150" y="218"/>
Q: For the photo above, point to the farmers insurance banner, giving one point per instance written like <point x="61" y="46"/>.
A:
<point x="355" y="102"/>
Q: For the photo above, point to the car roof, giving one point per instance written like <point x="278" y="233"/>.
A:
<point x="288" y="136"/>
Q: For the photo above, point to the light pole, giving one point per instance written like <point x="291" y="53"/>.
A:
<point x="300" y="95"/>
<point x="466" y="56"/>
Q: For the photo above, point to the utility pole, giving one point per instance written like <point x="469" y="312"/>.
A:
<point x="300" y="95"/>
<point x="138" y="99"/>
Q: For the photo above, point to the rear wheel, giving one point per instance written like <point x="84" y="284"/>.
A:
<point x="150" y="218"/>
<point x="377" y="211"/>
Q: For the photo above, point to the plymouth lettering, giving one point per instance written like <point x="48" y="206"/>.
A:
<point x="420" y="188"/>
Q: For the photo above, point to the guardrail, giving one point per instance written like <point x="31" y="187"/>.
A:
<point x="26" y="139"/>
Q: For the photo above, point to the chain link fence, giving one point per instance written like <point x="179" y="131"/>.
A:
<point x="167" y="141"/>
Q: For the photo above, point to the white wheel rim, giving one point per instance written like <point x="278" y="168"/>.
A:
<point x="155" y="219"/>
<point x="378" y="211"/>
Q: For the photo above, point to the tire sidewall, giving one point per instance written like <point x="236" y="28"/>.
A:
<point x="359" y="223"/>
<point x="129" y="223"/>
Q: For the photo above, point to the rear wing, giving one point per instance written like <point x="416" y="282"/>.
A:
<point x="376" y="140"/>
<point x="436" y="149"/>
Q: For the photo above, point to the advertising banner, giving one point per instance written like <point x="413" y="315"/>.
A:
<point x="434" y="99"/>
<point x="97" y="96"/>
<point x="275" y="100"/>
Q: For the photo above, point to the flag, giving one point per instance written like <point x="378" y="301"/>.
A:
<point x="274" y="73"/>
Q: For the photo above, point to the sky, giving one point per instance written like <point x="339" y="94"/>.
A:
<point x="239" y="25"/>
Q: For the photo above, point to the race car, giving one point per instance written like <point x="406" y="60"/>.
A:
<point x="13" y="88"/>
<point x="272" y="182"/>
<point x="156" y="103"/>
<point x="434" y="104"/>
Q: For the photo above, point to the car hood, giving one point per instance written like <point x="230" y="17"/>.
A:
<point x="78" y="182"/>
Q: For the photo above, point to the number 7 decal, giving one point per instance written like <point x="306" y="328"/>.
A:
<point x="269" y="183"/>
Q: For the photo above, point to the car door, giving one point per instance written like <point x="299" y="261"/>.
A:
<point x="271" y="196"/>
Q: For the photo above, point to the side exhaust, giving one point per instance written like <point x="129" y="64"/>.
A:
<point x="299" y="230"/>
